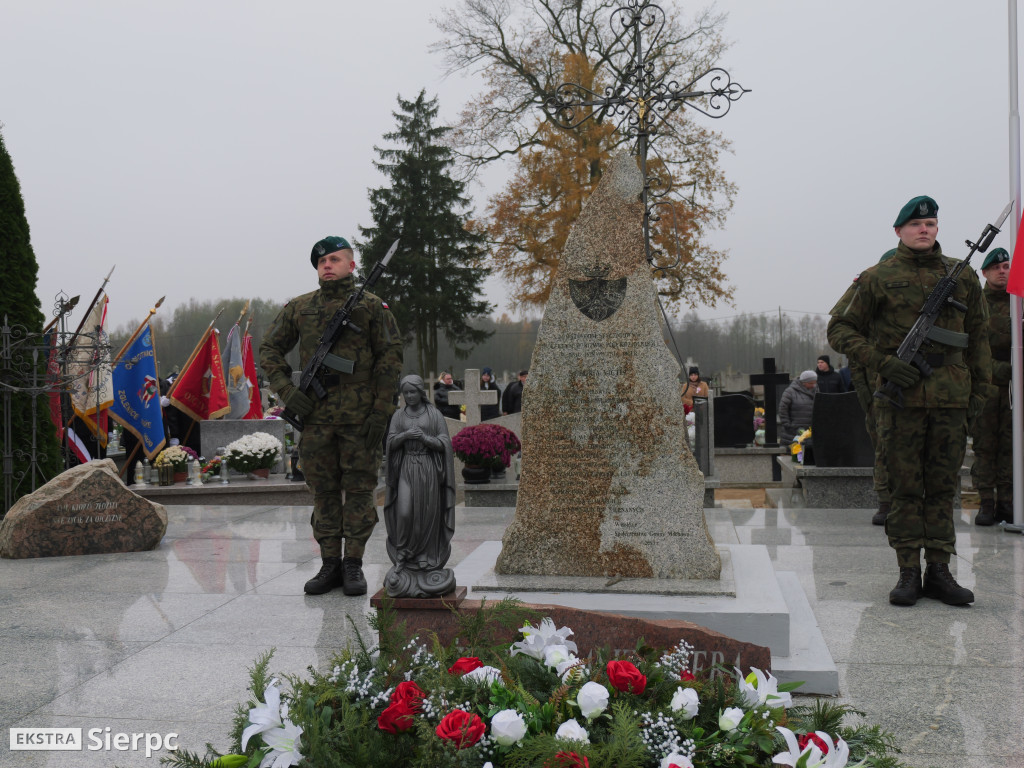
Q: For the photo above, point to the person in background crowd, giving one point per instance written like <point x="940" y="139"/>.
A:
<point x="829" y="380"/>
<point x="992" y="471"/>
<point x="694" y="387"/>
<point x="442" y="387"/>
<point x="487" y="383"/>
<point x="512" y="399"/>
<point x="924" y="436"/>
<point x="796" y="405"/>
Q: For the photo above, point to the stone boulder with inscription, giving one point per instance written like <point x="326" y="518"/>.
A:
<point x="609" y="486"/>
<point x="86" y="510"/>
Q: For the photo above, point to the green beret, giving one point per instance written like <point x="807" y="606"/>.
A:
<point x="887" y="255"/>
<point x="921" y="207"/>
<point x="329" y="244"/>
<point x="995" y="256"/>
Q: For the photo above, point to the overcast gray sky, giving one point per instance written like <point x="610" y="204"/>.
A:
<point x="203" y="147"/>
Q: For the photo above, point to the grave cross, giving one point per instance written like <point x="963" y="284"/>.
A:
<point x="769" y="379"/>
<point x="473" y="397"/>
<point x="642" y="100"/>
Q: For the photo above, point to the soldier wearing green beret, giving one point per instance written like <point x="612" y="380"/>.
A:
<point x="925" y="439"/>
<point x="341" y="442"/>
<point x="992" y="471"/>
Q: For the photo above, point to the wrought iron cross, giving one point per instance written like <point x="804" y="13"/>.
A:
<point x="641" y="101"/>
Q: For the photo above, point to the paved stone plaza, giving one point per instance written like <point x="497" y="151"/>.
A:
<point x="159" y="642"/>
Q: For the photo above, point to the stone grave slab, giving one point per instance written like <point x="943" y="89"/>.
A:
<point x="85" y="510"/>
<point x="608" y="485"/>
<point x="734" y="421"/>
<point x="840" y="437"/>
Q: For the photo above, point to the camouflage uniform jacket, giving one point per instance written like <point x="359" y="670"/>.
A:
<point x="888" y="299"/>
<point x="999" y="332"/>
<point x="375" y="352"/>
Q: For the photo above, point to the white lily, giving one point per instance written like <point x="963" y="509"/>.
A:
<point x="264" y="717"/>
<point x="284" y="746"/>
<point x="535" y="639"/>
<point x="554" y="655"/>
<point x="682" y="761"/>
<point x="837" y="756"/>
<point x="764" y="691"/>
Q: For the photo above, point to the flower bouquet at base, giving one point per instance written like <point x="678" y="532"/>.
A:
<point x="797" y="448"/>
<point x="503" y="698"/>
<point x="486" y="445"/>
<point x="176" y="456"/>
<point x="251" y="452"/>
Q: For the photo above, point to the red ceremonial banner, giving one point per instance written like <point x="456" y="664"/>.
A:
<point x="255" y="399"/>
<point x="200" y="390"/>
<point x="1015" y="285"/>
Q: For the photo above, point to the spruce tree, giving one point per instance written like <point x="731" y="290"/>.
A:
<point x="435" y="280"/>
<point x="20" y="306"/>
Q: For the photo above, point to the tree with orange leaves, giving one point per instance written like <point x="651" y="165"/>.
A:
<point x="526" y="49"/>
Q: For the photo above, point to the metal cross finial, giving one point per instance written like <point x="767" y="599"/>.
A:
<point x="641" y="101"/>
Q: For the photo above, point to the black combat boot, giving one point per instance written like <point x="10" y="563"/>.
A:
<point x="328" y="578"/>
<point x="939" y="584"/>
<point x="883" y="512"/>
<point x="355" y="582"/>
<point x="1004" y="511"/>
<point x="908" y="588"/>
<point x="986" y="513"/>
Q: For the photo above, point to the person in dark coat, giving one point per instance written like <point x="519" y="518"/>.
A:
<point x="512" y="399"/>
<point x="442" y="387"/>
<point x="829" y="380"/>
<point x="796" y="406"/>
<point x="487" y="383"/>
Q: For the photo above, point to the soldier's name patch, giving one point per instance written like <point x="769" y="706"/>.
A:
<point x="309" y="311"/>
<point x="898" y="284"/>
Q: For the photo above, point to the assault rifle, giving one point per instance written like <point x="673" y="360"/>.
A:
<point x="924" y="327"/>
<point x="323" y="358"/>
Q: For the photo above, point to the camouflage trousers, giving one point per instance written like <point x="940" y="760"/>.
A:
<point x="993" y="448"/>
<point x="881" y="474"/>
<point x="335" y="459"/>
<point x="924" y="449"/>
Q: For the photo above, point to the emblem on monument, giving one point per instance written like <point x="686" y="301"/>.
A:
<point x="597" y="298"/>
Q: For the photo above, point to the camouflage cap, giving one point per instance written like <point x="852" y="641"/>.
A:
<point x="329" y="244"/>
<point x="921" y="207"/>
<point x="995" y="256"/>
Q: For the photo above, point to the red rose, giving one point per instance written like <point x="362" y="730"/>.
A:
<point x="396" y="718"/>
<point x="687" y="676"/>
<point x="567" y="760"/>
<point x="464" y="665"/>
<point x="807" y="738"/>
<point x="408" y="693"/>
<point x="461" y="728"/>
<point x="626" y="677"/>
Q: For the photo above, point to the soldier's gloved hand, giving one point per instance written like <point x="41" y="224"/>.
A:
<point x="296" y="401"/>
<point x="373" y="428"/>
<point x="974" y="408"/>
<point x="899" y="373"/>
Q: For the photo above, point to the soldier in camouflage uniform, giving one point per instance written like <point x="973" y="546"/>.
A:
<point x="863" y="382"/>
<point x="992" y="470"/>
<point x="342" y="436"/>
<point x="925" y="439"/>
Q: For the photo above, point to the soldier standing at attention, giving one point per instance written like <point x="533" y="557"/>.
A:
<point x="925" y="439"/>
<point x="341" y="440"/>
<point x="992" y="470"/>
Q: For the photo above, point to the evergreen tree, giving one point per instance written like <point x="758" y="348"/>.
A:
<point x="435" y="280"/>
<point x="20" y="306"/>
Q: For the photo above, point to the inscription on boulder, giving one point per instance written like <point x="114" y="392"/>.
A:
<point x="608" y="485"/>
<point x="86" y="510"/>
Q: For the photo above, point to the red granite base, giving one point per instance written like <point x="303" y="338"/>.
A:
<point x="593" y="630"/>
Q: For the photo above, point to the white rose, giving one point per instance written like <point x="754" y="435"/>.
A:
<point x="686" y="699"/>
<point x="508" y="727"/>
<point x="730" y="719"/>
<point x="570" y="730"/>
<point x="592" y="699"/>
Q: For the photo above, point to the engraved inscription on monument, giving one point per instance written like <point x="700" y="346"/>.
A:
<point x="608" y="484"/>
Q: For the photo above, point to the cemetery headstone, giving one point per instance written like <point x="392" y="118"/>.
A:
<point x="774" y="384"/>
<point x="473" y="397"/>
<point x="734" y="421"/>
<point x="839" y="435"/>
<point x="608" y="486"/>
<point x="86" y="510"/>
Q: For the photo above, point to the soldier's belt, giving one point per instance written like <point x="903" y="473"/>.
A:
<point x="1001" y="356"/>
<point x="337" y="379"/>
